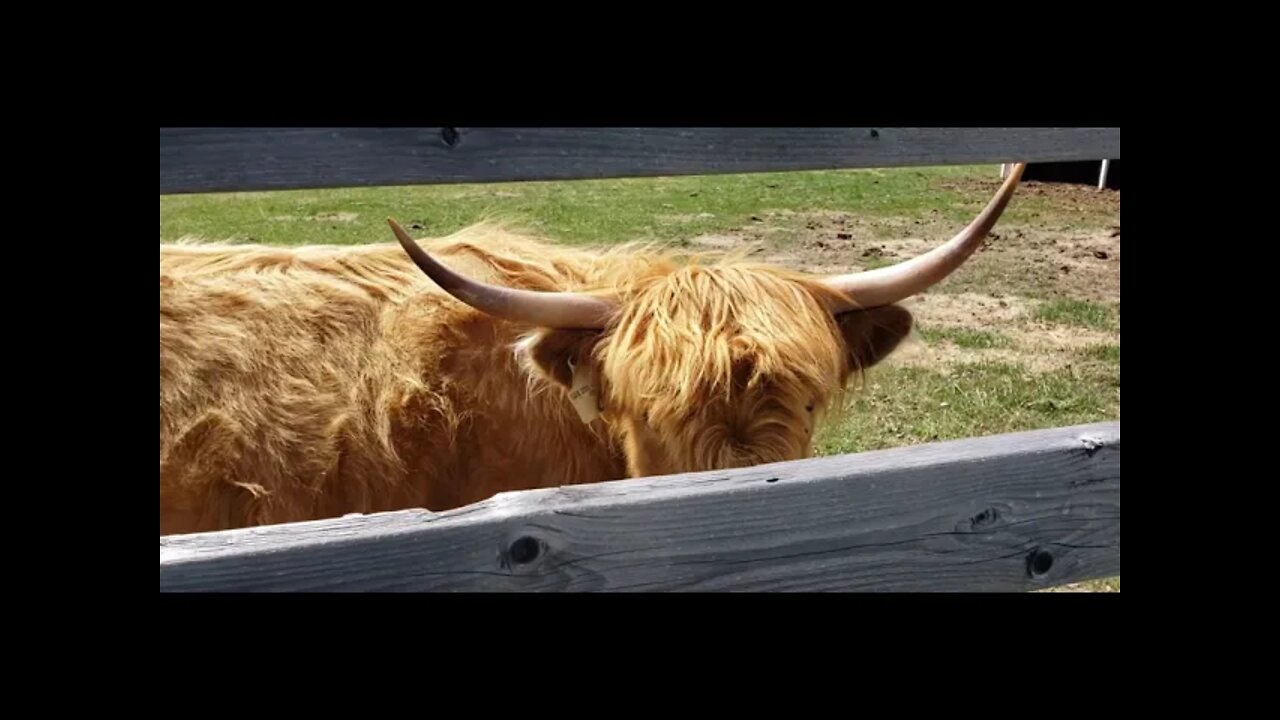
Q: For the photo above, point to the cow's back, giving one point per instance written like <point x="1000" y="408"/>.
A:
<point x="265" y="372"/>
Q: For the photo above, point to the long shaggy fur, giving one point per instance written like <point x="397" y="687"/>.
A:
<point x="311" y="382"/>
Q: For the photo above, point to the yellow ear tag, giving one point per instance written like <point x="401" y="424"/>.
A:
<point x="583" y="394"/>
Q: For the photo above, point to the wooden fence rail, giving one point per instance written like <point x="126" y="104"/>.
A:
<point x="205" y="160"/>
<point x="1009" y="512"/>
<point x="1000" y="513"/>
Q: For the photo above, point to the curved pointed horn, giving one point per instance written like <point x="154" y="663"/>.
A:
<point x="545" y="309"/>
<point x="885" y="286"/>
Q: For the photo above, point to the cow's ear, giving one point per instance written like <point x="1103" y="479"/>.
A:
<point x="872" y="335"/>
<point x="553" y="354"/>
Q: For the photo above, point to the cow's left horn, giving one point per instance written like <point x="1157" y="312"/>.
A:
<point x="885" y="286"/>
<point x="545" y="309"/>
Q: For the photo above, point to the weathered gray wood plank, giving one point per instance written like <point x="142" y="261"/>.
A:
<point x="982" y="514"/>
<point x="206" y="160"/>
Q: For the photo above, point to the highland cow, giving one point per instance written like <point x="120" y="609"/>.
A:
<point x="305" y="383"/>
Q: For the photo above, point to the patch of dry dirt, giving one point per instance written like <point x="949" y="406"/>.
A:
<point x="1040" y="259"/>
<point x="969" y="310"/>
<point x="1039" y="346"/>
<point x="719" y="242"/>
<point x="342" y="217"/>
<point x="336" y="217"/>
<point x="684" y="217"/>
<point x="996" y="290"/>
<point x="1084" y="265"/>
<point x="1067" y="198"/>
<point x="941" y="356"/>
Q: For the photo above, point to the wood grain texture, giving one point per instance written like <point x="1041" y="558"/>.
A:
<point x="209" y="160"/>
<point x="1009" y="512"/>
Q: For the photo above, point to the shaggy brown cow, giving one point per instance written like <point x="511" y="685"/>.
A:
<point x="306" y="383"/>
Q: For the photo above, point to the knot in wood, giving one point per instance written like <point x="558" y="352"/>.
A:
<point x="984" y="518"/>
<point x="525" y="550"/>
<point x="1039" y="562"/>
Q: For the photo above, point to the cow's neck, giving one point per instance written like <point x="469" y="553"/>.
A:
<point x="506" y="432"/>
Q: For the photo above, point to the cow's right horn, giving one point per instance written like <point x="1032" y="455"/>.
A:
<point x="544" y="309"/>
<point x="888" y="285"/>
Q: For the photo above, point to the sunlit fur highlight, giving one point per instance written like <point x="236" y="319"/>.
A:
<point x="301" y="383"/>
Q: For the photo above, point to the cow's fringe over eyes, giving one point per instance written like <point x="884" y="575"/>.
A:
<point x="700" y="335"/>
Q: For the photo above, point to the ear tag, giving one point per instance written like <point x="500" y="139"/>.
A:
<point x="583" y="394"/>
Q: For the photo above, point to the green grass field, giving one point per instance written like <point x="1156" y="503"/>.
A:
<point x="1025" y="336"/>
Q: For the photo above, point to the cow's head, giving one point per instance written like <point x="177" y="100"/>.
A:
<point x="710" y="367"/>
